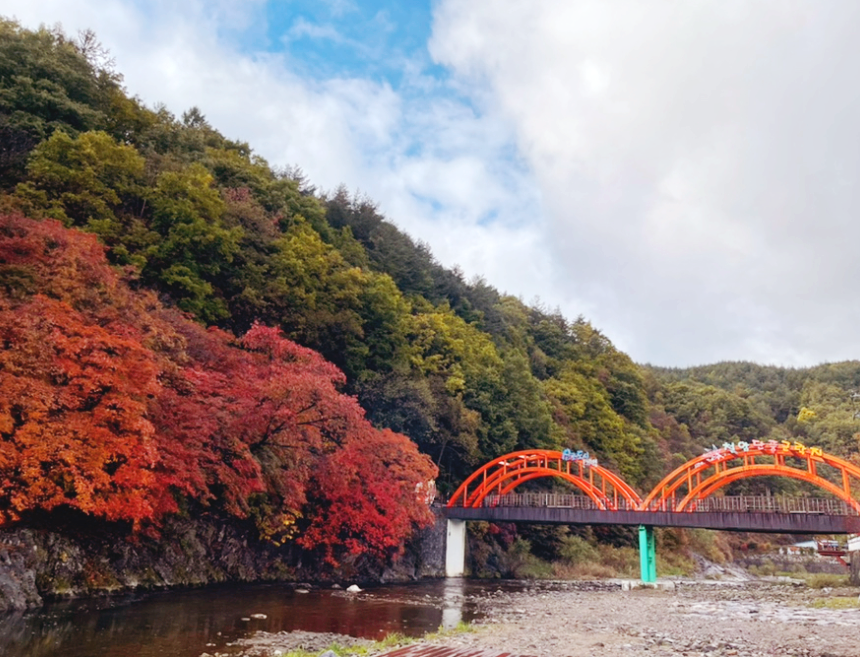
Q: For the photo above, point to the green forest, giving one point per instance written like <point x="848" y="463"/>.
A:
<point x="186" y="326"/>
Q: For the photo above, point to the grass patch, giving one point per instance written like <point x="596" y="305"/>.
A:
<point x="387" y="642"/>
<point x="460" y="628"/>
<point x="825" y="580"/>
<point x="765" y="569"/>
<point x="391" y="640"/>
<point x="836" y="602"/>
<point x="355" y="651"/>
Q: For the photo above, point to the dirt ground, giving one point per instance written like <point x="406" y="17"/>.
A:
<point x="694" y="619"/>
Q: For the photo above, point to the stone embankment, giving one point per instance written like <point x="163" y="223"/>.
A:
<point x="39" y="563"/>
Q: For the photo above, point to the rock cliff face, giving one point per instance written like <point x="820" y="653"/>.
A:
<point x="17" y="575"/>
<point x="424" y="556"/>
<point x="44" y="562"/>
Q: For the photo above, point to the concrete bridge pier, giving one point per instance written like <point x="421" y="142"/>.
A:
<point x="855" y="568"/>
<point x="455" y="548"/>
<point x="647" y="554"/>
<point x="455" y="551"/>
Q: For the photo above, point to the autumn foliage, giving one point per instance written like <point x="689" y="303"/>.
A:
<point x="73" y="414"/>
<point x="120" y="408"/>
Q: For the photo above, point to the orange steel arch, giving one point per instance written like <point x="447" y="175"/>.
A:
<point x="679" y="491"/>
<point x="704" y="475"/>
<point x="502" y="475"/>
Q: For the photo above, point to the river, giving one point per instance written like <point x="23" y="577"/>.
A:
<point x="180" y="623"/>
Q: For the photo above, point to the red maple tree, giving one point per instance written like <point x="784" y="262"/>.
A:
<point x="368" y="495"/>
<point x="118" y="407"/>
<point x="73" y="425"/>
<point x="270" y="412"/>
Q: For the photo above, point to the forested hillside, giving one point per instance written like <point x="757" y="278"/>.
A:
<point x="184" y="324"/>
<point x="817" y="405"/>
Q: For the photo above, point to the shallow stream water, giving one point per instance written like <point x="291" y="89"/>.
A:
<point x="181" y="623"/>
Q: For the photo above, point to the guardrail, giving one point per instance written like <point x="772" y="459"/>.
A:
<point x="744" y="503"/>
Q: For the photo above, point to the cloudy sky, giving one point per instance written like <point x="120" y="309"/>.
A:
<point x="683" y="174"/>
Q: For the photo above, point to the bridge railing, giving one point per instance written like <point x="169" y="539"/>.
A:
<point x="565" y="500"/>
<point x="735" y="503"/>
<point x="780" y="504"/>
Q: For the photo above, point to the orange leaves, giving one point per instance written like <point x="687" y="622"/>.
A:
<point x="67" y="265"/>
<point x="112" y="405"/>
<point x="73" y="400"/>
<point x="75" y="381"/>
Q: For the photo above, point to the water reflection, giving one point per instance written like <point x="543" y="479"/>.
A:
<point x="182" y="623"/>
<point x="453" y="596"/>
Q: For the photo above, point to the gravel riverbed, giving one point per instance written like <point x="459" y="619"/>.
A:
<point x="599" y="619"/>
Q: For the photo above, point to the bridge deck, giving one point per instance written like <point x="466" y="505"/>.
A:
<point x="767" y="522"/>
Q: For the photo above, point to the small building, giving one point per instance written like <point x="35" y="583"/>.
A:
<point x="804" y="547"/>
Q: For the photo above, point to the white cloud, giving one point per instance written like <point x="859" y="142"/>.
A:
<point x="698" y="164"/>
<point x="684" y="174"/>
<point x="304" y="28"/>
<point x="437" y="169"/>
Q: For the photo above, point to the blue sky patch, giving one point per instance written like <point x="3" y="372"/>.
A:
<point x="371" y="39"/>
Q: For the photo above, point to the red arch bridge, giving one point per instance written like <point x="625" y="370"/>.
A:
<point x="690" y="496"/>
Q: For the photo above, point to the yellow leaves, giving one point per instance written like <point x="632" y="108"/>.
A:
<point x="455" y="384"/>
<point x="583" y="409"/>
<point x="183" y="196"/>
<point x="280" y="528"/>
<point x="806" y="415"/>
<point x="313" y="272"/>
<point x="571" y="390"/>
<point x="76" y="180"/>
<point x="443" y="343"/>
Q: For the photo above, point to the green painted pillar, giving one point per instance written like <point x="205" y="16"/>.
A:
<point x="647" y="554"/>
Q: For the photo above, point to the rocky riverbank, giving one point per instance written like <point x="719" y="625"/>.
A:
<point x="44" y="562"/>
<point x="693" y="619"/>
<point x="748" y="619"/>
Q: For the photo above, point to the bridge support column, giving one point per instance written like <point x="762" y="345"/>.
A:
<point x="455" y="548"/>
<point x="855" y="568"/>
<point x="647" y="554"/>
